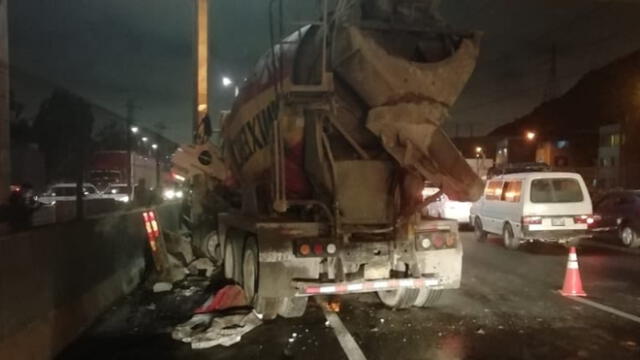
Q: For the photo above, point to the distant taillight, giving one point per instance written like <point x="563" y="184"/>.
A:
<point x="531" y="220"/>
<point x="584" y="219"/>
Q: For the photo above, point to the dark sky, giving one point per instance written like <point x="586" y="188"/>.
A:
<point x="112" y="50"/>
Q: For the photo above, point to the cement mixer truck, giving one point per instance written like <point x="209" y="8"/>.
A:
<point x="315" y="185"/>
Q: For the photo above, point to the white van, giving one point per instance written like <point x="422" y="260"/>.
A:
<point x="534" y="206"/>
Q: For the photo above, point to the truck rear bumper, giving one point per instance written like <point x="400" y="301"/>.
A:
<point x="305" y="288"/>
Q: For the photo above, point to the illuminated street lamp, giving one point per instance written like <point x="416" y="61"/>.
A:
<point x="135" y="129"/>
<point x="530" y="135"/>
<point x="154" y="146"/>
<point x="145" y="139"/>
<point x="226" y="81"/>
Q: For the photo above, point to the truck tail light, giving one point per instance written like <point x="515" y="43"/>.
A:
<point x="304" y="249"/>
<point x="531" y="220"/>
<point x="314" y="249"/>
<point x="584" y="219"/>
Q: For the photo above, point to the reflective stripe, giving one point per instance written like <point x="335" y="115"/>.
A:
<point x="430" y="282"/>
<point x="406" y="283"/>
<point x="355" y="287"/>
<point x="572" y="265"/>
<point x="327" y="289"/>
<point x="380" y="284"/>
<point x="573" y="257"/>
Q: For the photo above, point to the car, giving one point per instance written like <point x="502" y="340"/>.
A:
<point x="67" y="192"/>
<point x="620" y="212"/>
<point x="445" y="208"/>
<point x="118" y="192"/>
<point x="533" y="206"/>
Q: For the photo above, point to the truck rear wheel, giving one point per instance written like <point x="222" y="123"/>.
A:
<point x="292" y="307"/>
<point x="232" y="261"/>
<point x="250" y="269"/>
<point x="427" y="297"/>
<point x="398" y="299"/>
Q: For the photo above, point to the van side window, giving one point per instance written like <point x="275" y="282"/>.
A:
<point x="494" y="190"/>
<point x="511" y="191"/>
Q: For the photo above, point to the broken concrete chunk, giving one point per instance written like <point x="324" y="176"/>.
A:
<point x="202" y="266"/>
<point x="179" y="246"/>
<point x="162" y="287"/>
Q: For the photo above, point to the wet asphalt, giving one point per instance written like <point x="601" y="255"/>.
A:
<point x="507" y="308"/>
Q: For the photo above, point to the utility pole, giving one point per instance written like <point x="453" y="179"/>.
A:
<point x="5" y="142"/>
<point x="129" y="123"/>
<point x="201" y="65"/>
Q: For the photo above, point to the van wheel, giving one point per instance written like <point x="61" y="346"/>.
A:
<point x="478" y="231"/>
<point x="398" y="299"/>
<point x="510" y="241"/>
<point x="629" y="237"/>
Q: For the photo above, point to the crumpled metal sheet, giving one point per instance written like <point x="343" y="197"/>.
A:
<point x="204" y="331"/>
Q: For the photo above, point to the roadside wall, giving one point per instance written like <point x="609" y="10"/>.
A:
<point x="55" y="280"/>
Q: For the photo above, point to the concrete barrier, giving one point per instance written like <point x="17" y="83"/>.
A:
<point x="55" y="280"/>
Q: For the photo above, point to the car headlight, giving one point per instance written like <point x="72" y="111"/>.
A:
<point x="123" y="199"/>
<point x="169" y="194"/>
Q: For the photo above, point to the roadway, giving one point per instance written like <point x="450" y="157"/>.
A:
<point x="507" y="308"/>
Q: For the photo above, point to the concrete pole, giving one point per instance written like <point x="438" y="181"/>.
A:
<point x="5" y="155"/>
<point x="202" y="65"/>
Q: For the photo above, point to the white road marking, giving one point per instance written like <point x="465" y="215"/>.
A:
<point x="605" y="308"/>
<point x="348" y="343"/>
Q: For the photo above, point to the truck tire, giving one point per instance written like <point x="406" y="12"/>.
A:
<point x="398" y="299"/>
<point x="292" y="307"/>
<point x="267" y="307"/>
<point x="232" y="261"/>
<point x="250" y="269"/>
<point x="478" y="231"/>
<point x="511" y="242"/>
<point x="629" y="237"/>
<point x="427" y="297"/>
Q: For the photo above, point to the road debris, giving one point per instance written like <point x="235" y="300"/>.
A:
<point x="202" y="266"/>
<point x="226" y="331"/>
<point x="228" y="297"/>
<point x="162" y="287"/>
<point x="209" y="327"/>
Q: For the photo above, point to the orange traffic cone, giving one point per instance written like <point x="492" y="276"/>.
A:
<point x="572" y="282"/>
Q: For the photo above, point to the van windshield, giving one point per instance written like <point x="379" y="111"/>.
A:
<point x="556" y="191"/>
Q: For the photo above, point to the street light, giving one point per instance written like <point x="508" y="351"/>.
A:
<point x="145" y="139"/>
<point x="530" y="135"/>
<point x="226" y="81"/>
<point x="135" y="129"/>
<point x="154" y="146"/>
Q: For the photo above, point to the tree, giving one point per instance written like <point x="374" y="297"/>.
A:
<point x="63" y="129"/>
